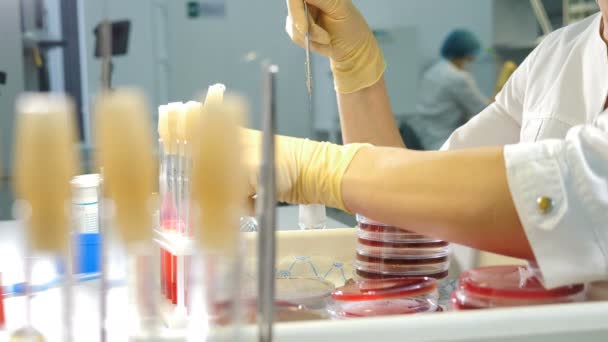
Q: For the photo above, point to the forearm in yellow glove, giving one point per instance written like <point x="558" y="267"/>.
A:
<point x="339" y="32"/>
<point x="307" y="171"/>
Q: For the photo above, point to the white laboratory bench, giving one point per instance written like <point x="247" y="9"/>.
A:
<point x="555" y="323"/>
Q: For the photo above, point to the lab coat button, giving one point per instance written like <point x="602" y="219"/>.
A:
<point x="544" y="205"/>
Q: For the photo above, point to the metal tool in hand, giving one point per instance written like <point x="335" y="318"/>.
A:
<point x="308" y="66"/>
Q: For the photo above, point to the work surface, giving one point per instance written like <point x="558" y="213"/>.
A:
<point x="558" y="323"/>
<point x="571" y="322"/>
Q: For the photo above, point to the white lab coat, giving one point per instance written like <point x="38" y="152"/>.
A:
<point x="448" y="98"/>
<point x="550" y="117"/>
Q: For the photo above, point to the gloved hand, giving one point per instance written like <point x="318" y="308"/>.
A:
<point x="339" y="32"/>
<point x="307" y="171"/>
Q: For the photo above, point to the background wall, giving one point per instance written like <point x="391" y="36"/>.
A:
<point x="10" y="62"/>
<point x="229" y="50"/>
<point x="433" y="20"/>
<point x="135" y="69"/>
<point x="174" y="57"/>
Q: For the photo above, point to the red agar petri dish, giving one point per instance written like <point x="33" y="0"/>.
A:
<point x="402" y="250"/>
<point x="402" y="269"/>
<point x="372" y="230"/>
<point x="363" y="274"/>
<point x="369" y="298"/>
<point x="390" y="244"/>
<point x="403" y="261"/>
<point x="506" y="286"/>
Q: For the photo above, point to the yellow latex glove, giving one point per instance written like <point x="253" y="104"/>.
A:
<point x="307" y="171"/>
<point x="339" y="32"/>
<point x="508" y="68"/>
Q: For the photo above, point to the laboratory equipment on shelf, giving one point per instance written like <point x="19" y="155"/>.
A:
<point x="384" y="251"/>
<point x="45" y="162"/>
<point x="125" y="155"/>
<point x="506" y="286"/>
<point x="372" y="298"/>
<point x="267" y="208"/>
<point x="218" y="198"/>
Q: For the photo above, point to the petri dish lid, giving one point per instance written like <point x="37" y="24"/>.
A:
<point x="376" y="289"/>
<point x="298" y="290"/>
<point x="511" y="282"/>
<point x="363" y="219"/>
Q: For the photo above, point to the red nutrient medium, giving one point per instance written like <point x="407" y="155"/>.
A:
<point x="168" y="273"/>
<point x="2" y="317"/>
<point x="384" y="244"/>
<point x="163" y="284"/>
<point x="514" y="282"/>
<point x="374" y="275"/>
<point x="401" y="296"/>
<point x="173" y="279"/>
<point x="403" y="261"/>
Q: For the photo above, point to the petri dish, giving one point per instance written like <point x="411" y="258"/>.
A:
<point x="508" y="286"/>
<point x="371" y="298"/>
<point x="403" y="261"/>
<point x="284" y="312"/>
<point x="405" y="267"/>
<point x="373" y="230"/>
<point x="364" y="274"/>
<point x="310" y="292"/>
<point x="382" y="249"/>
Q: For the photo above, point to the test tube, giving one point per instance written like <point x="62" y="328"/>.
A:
<point x="163" y="133"/>
<point x="173" y="118"/>
<point x="218" y="194"/>
<point x="125" y="153"/>
<point x="45" y="163"/>
<point x="180" y="314"/>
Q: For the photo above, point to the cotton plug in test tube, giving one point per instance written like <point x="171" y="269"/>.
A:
<point x="45" y="162"/>
<point x="125" y="154"/>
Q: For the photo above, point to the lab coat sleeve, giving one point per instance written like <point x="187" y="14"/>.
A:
<point x="570" y="239"/>
<point x="500" y="122"/>
<point x="492" y="127"/>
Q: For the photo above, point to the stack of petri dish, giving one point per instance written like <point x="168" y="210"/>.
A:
<point x="508" y="286"/>
<point x="386" y="252"/>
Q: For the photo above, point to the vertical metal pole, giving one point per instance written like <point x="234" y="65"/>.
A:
<point x="103" y="267"/>
<point x="106" y="53"/>
<point x="267" y="208"/>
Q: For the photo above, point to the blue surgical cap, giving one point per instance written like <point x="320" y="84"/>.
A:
<point x="460" y="44"/>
